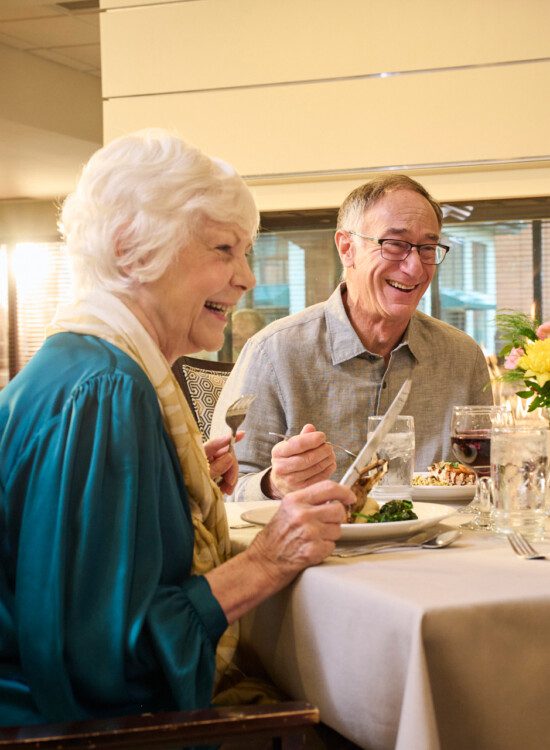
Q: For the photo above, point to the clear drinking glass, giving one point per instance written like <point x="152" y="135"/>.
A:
<point x="471" y="435"/>
<point x="519" y="465"/>
<point x="398" y="448"/>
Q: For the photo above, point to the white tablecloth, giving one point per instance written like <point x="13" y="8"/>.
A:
<point x="416" y="649"/>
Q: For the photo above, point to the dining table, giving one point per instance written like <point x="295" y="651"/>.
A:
<point x="413" y="649"/>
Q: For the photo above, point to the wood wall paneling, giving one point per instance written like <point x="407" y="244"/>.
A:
<point x="494" y="113"/>
<point x="209" y="44"/>
<point x="291" y="92"/>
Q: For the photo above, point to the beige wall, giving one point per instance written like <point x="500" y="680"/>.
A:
<point x="50" y="121"/>
<point x="291" y="93"/>
<point x="28" y="221"/>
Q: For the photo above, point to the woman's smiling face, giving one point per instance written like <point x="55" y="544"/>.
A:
<point x="194" y="298"/>
<point x="391" y="289"/>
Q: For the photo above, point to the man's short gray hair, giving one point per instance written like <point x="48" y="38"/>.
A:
<point x="362" y="198"/>
<point x="138" y="201"/>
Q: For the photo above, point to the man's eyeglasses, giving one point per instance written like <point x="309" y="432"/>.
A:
<point x="429" y="254"/>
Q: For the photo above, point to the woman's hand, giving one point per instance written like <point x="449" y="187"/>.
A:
<point x="223" y="462"/>
<point x="304" y="529"/>
<point x="299" y="462"/>
<point x="302" y="533"/>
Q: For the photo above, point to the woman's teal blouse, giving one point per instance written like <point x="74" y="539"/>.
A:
<point x="99" y="613"/>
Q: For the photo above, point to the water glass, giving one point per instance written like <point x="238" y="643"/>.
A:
<point x="519" y="460"/>
<point x="398" y="449"/>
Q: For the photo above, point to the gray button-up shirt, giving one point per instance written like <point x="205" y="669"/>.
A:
<point x="312" y="367"/>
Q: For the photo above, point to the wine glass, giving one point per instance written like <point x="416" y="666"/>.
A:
<point x="471" y="443"/>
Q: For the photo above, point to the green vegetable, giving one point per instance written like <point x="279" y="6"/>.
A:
<point x="395" y="510"/>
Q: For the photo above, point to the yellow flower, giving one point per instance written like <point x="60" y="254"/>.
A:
<point x="536" y="361"/>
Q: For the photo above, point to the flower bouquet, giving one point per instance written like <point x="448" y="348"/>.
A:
<point x="527" y="356"/>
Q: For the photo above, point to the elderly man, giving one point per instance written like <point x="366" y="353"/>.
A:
<point x="320" y="373"/>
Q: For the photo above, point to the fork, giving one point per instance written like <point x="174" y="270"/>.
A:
<point x="234" y="417"/>
<point x="522" y="547"/>
<point x="334" y="445"/>
<point x="235" y="414"/>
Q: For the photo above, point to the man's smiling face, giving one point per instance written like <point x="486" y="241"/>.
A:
<point x="392" y="289"/>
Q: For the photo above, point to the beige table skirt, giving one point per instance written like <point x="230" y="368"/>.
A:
<point x="416" y="649"/>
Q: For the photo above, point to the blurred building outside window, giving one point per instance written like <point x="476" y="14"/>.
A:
<point x="489" y="268"/>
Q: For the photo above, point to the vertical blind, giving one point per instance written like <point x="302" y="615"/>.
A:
<point x="34" y="279"/>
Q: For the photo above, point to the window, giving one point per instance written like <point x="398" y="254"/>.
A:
<point x="499" y="259"/>
<point x="492" y="265"/>
<point x="34" y="279"/>
<point x="4" y="319"/>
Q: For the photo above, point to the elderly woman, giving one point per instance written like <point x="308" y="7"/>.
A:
<point x="116" y="587"/>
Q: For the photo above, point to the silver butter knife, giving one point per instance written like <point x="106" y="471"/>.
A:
<point x="375" y="440"/>
<point x="430" y="539"/>
<point x="364" y="549"/>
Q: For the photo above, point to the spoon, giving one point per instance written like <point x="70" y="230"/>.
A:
<point x="438" y="541"/>
<point x="442" y="540"/>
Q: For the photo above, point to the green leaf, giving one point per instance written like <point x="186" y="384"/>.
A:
<point x="512" y="376"/>
<point x="514" y="328"/>
<point x="528" y="333"/>
<point x="505" y="351"/>
<point x="524" y="394"/>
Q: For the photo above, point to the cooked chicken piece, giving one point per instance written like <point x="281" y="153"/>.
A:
<point x="369" y="477"/>
<point x="452" y="472"/>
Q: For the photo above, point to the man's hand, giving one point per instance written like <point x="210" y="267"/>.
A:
<point x="299" y="462"/>
<point x="223" y="462"/>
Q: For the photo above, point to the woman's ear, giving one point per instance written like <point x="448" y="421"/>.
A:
<point x="345" y="247"/>
<point x="125" y="269"/>
<point x="122" y="251"/>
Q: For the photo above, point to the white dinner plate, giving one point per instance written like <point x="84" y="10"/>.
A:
<point x="452" y="493"/>
<point x="428" y="515"/>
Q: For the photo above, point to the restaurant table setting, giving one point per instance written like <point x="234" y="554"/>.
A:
<point x="432" y="632"/>
<point x="412" y="647"/>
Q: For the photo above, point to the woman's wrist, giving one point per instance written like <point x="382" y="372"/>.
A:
<point x="246" y="580"/>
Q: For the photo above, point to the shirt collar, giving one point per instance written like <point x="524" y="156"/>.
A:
<point x="413" y="338"/>
<point x="345" y="343"/>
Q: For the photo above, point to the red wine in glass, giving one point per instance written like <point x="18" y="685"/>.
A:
<point x="473" y="448"/>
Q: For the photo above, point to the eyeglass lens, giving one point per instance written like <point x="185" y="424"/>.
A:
<point x="399" y="249"/>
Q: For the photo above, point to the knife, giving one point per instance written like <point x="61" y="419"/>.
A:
<point x="375" y="440"/>
<point x="417" y="540"/>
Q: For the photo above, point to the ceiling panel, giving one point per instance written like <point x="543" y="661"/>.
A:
<point x="12" y="41"/>
<point x="38" y="162"/>
<point x="10" y="9"/>
<point x="50" y="32"/>
<point x="86" y="57"/>
<point x="45" y="29"/>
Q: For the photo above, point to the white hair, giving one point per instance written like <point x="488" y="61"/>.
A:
<point x="139" y="200"/>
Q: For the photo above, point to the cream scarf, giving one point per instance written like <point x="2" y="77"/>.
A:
<point x="103" y="315"/>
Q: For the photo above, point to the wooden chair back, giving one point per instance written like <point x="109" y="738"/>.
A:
<point x="284" y="723"/>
